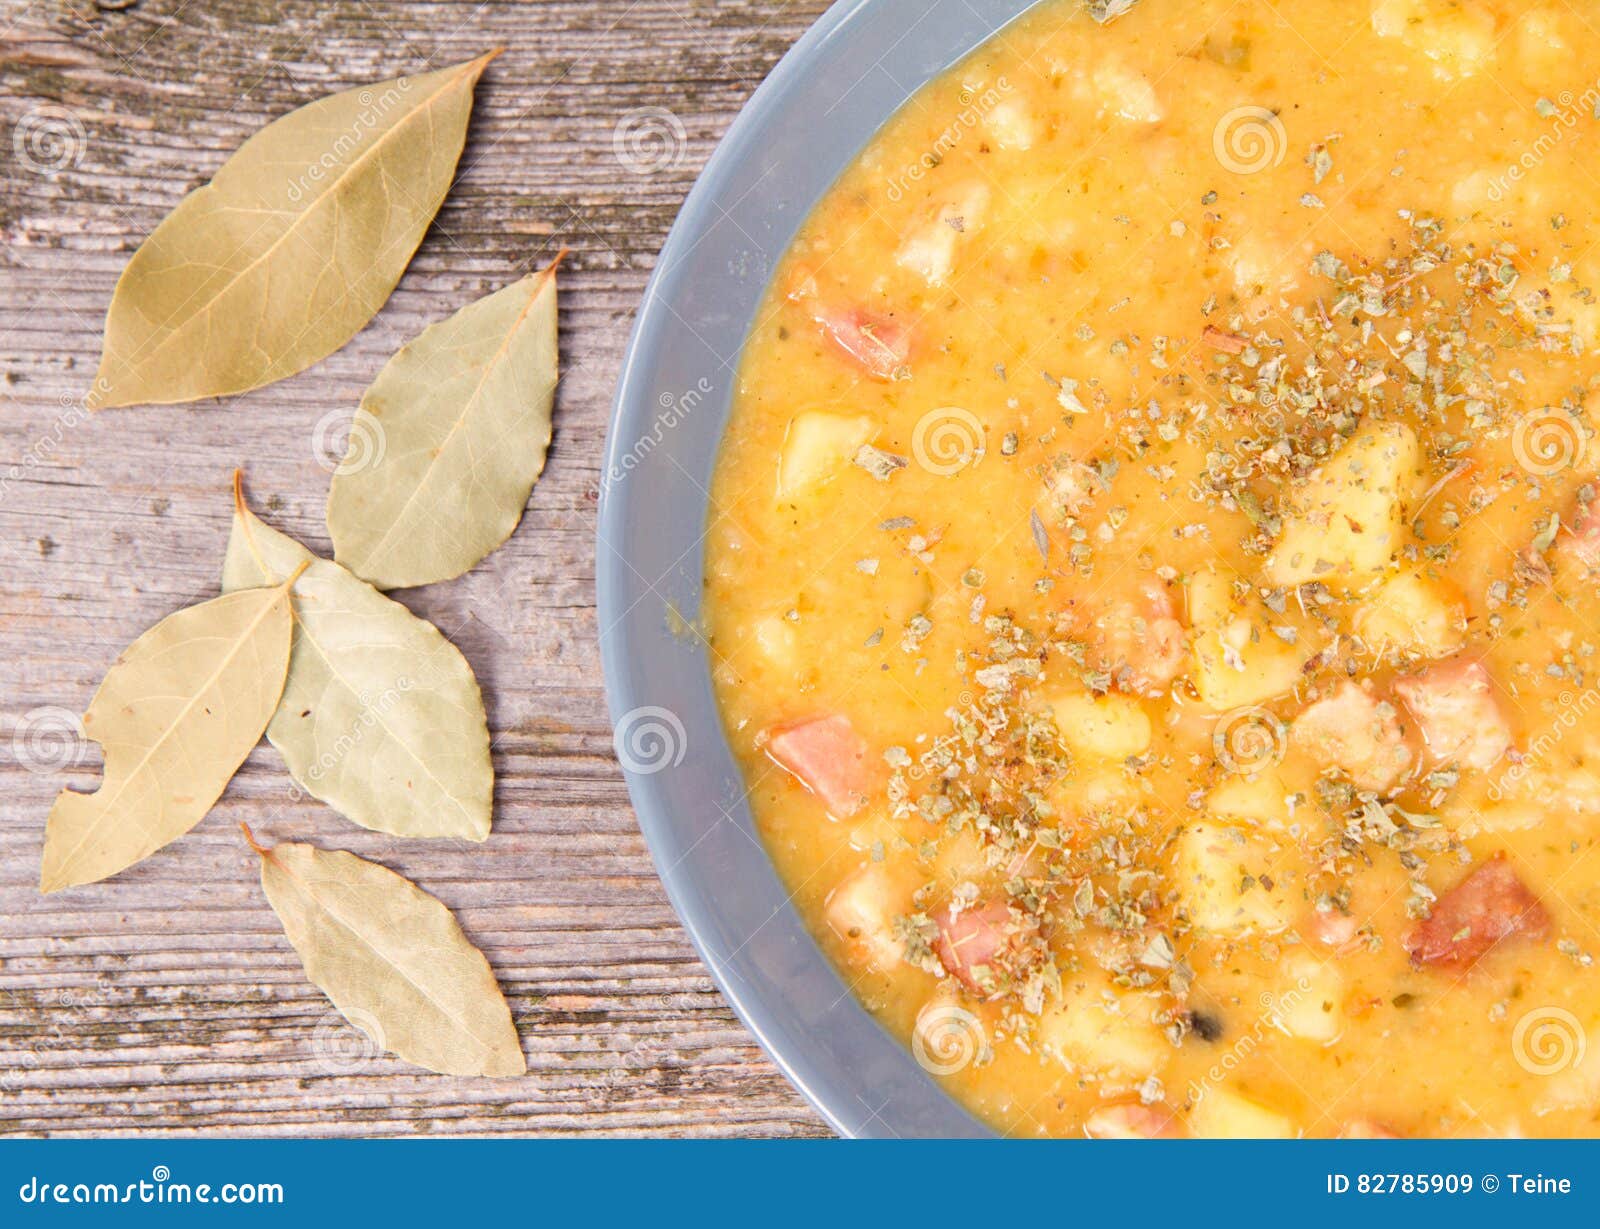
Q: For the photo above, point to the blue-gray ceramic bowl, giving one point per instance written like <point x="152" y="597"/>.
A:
<point x="804" y="126"/>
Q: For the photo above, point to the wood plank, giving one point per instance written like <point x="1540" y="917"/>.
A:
<point x="168" y="1001"/>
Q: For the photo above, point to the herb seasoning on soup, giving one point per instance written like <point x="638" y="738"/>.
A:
<point x="1151" y="571"/>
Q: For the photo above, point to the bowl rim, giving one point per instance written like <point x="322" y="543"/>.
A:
<point x="687" y="905"/>
<point x="629" y="411"/>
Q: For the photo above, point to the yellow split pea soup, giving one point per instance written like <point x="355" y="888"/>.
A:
<point x="1151" y="576"/>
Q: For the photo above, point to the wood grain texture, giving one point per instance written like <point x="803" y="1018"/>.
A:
<point x="168" y="1001"/>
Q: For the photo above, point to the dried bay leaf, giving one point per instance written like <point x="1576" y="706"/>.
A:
<point x="381" y="716"/>
<point x="291" y="248"/>
<point x="462" y="420"/>
<point x="177" y="714"/>
<point x="393" y="960"/>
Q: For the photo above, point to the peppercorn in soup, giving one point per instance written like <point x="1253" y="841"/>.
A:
<point x="1150" y="575"/>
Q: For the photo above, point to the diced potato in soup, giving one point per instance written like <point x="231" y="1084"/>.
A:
<point x="1238" y="659"/>
<point x="1013" y="125"/>
<point x="1542" y="44"/>
<point x="1413" y="615"/>
<point x="1104" y="727"/>
<point x="930" y="250"/>
<point x="1151" y="570"/>
<point x="862" y="911"/>
<point x="819" y="447"/>
<point x="1344" y="524"/>
<point x="1262" y="800"/>
<point x="1225" y="874"/>
<point x="1457" y="36"/>
<point x="1263" y="270"/>
<point x="1116" y="1044"/>
<point x="1125" y="93"/>
<point x="1312" y="1005"/>
<point x="1221" y="1113"/>
<point x="774" y="638"/>
<point x="1556" y="1043"/>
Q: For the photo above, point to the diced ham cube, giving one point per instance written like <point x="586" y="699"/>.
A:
<point x="828" y="757"/>
<point x="1138" y="641"/>
<point x="1355" y="731"/>
<point x="1221" y="339"/>
<point x="878" y="345"/>
<point x="1488" y="906"/>
<point x="862" y="911"/>
<point x="1332" y="929"/>
<point x="971" y="942"/>
<point x="1131" y="1120"/>
<point x="1460" y="715"/>
<point x="1365" y="1128"/>
<point x="1583" y="544"/>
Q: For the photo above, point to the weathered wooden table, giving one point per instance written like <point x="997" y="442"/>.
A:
<point x="167" y="1000"/>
